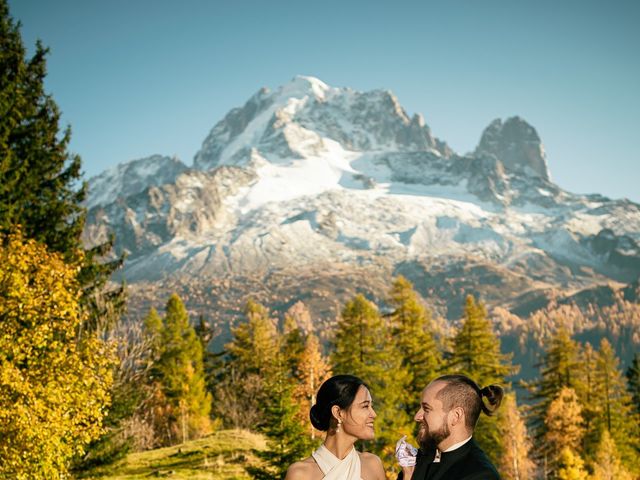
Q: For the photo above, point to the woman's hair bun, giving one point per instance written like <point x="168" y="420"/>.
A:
<point x="317" y="421"/>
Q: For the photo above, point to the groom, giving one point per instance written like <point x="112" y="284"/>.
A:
<point x="450" y="407"/>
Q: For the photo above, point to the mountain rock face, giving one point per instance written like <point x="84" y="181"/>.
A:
<point x="131" y="178"/>
<point x="517" y="145"/>
<point x="316" y="193"/>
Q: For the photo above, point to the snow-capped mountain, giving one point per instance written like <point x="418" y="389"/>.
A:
<point x="316" y="192"/>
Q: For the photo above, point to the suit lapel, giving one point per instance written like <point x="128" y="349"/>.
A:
<point x="422" y="464"/>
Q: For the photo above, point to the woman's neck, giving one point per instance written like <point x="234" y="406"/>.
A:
<point x="339" y="445"/>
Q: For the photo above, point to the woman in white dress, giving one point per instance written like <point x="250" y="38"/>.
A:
<point x="344" y="410"/>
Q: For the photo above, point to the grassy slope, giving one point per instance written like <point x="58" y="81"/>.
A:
<point x="219" y="456"/>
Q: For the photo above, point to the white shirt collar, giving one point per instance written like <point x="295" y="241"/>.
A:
<point x="450" y="449"/>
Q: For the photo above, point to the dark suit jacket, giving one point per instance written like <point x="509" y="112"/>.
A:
<point x="468" y="462"/>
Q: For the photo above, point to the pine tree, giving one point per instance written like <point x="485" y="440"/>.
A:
<point x="586" y="391"/>
<point x="287" y="441"/>
<point x="181" y="374"/>
<point x="515" y="462"/>
<point x="363" y="347"/>
<point x="476" y="348"/>
<point x="240" y="391"/>
<point x="254" y="342"/>
<point x="560" y="368"/>
<point x="633" y="381"/>
<point x="293" y="343"/>
<point x="153" y="327"/>
<point x="38" y="175"/>
<point x="412" y="330"/>
<point x="617" y="415"/>
<point x="476" y="353"/>
<point x="54" y="387"/>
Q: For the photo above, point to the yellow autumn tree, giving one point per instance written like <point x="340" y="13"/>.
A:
<point x="564" y="425"/>
<point x="515" y="462"/>
<point x="607" y="464"/>
<point x="312" y="371"/>
<point x="571" y="466"/>
<point x="54" y="385"/>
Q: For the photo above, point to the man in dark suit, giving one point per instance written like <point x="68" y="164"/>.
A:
<point x="449" y="411"/>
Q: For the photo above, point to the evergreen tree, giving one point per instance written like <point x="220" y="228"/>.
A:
<point x="412" y="330"/>
<point x="254" y="343"/>
<point x="39" y="177"/>
<point x="153" y="327"/>
<point x="287" y="441"/>
<point x="181" y="374"/>
<point x="241" y="391"/>
<point x="363" y="347"/>
<point x="560" y="368"/>
<point x="476" y="348"/>
<point x="616" y="413"/>
<point x="586" y="391"/>
<point x="633" y="381"/>
<point x="293" y="343"/>
<point x="476" y="353"/>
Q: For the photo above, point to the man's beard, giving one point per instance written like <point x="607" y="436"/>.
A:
<point x="429" y="440"/>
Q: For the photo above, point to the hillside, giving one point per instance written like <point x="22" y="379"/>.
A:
<point x="219" y="456"/>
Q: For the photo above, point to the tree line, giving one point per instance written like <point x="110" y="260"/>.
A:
<point x="579" y="419"/>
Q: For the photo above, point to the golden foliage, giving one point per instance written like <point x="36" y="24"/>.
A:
<point x="54" y="386"/>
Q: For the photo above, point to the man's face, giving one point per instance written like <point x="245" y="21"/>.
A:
<point x="432" y="418"/>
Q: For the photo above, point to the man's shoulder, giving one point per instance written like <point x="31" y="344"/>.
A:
<point x="482" y="466"/>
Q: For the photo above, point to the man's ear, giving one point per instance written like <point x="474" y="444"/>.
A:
<point x="456" y="416"/>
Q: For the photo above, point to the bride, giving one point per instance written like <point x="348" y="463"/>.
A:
<point x="344" y="410"/>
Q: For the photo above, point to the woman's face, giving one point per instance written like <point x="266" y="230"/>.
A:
<point x="358" y="419"/>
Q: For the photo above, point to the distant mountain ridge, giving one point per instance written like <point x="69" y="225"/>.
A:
<point x="313" y="192"/>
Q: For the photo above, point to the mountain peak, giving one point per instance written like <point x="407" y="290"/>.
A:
<point x="517" y="145"/>
<point x="301" y="86"/>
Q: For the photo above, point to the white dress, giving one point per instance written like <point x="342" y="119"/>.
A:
<point x="335" y="469"/>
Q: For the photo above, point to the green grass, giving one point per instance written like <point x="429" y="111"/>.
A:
<point x="219" y="456"/>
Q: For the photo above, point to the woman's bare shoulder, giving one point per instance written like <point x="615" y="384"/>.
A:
<point x="372" y="467"/>
<point x="302" y="470"/>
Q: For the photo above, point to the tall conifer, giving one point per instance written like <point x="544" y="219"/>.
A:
<point x="40" y="180"/>
<point x="412" y="329"/>
<point x="287" y="440"/>
<point x="633" y="381"/>
<point x="476" y="353"/>
<point x="616" y="413"/>
<point x="364" y="347"/>
<point x="181" y="374"/>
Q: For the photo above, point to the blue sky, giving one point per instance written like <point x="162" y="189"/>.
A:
<point x="136" y="78"/>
